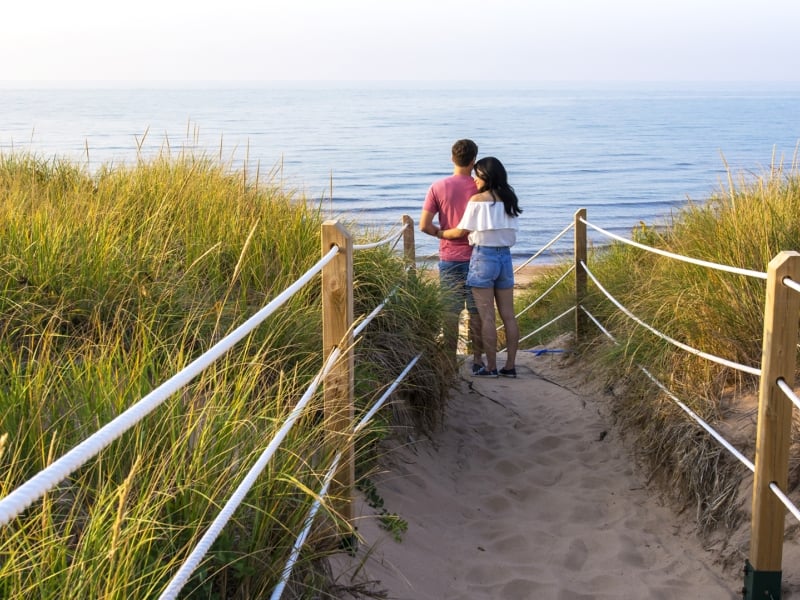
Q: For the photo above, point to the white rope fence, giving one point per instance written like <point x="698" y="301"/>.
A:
<point x="716" y="435"/>
<point x="203" y="546"/>
<point x="546" y="325"/>
<point x="545" y="247"/>
<point x="301" y="539"/>
<point x="695" y="261"/>
<point x="790" y="283"/>
<point x="781" y="384"/>
<point x="789" y="392"/>
<point x="379" y="404"/>
<point x="747" y="369"/>
<point x="681" y="345"/>
<point x="393" y="237"/>
<point x="368" y="319"/>
<point x="22" y="497"/>
<point x="308" y="523"/>
<point x="399" y="234"/>
<point x="216" y="527"/>
<point x="543" y="295"/>
<point x="765" y="549"/>
<point x="312" y="513"/>
<point x="561" y="234"/>
<point x="785" y="500"/>
<point x="752" y="370"/>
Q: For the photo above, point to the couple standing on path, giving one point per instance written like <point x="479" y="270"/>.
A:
<point x="477" y="227"/>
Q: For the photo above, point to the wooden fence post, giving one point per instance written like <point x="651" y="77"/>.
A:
<point x="409" y="252"/>
<point x="778" y="357"/>
<point x="337" y="331"/>
<point x="580" y="273"/>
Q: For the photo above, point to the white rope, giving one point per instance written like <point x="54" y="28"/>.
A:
<point x="392" y="237"/>
<point x="402" y="229"/>
<point x="546" y="246"/>
<point x="711" y="357"/>
<point x="702" y="263"/>
<point x="312" y="513"/>
<point x="18" y="500"/>
<point x="788" y="391"/>
<point x="544" y="294"/>
<point x="791" y="283"/>
<point x="377" y="406"/>
<point x="565" y="313"/>
<point x="301" y="539"/>
<point x="785" y="499"/>
<point x="361" y="326"/>
<point x="203" y="546"/>
<point x="599" y="326"/>
<point x="742" y="458"/>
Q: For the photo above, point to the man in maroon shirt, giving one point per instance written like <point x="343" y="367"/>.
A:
<point x="448" y="199"/>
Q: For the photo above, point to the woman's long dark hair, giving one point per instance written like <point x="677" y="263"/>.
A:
<point x="495" y="181"/>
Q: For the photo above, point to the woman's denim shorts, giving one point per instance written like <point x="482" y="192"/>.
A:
<point x="490" y="267"/>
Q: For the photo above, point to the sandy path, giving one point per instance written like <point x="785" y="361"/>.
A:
<point x="527" y="493"/>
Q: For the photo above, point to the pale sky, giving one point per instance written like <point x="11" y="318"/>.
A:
<point x="174" y="41"/>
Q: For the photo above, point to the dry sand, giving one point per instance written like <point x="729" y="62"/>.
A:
<point x="528" y="492"/>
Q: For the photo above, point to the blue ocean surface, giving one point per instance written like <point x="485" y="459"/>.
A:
<point x="367" y="153"/>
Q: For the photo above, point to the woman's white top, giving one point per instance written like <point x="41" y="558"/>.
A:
<point x="489" y="224"/>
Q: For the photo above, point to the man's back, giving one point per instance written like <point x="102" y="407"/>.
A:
<point x="449" y="197"/>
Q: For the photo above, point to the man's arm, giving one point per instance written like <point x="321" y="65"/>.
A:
<point x="454" y="233"/>
<point x="426" y="223"/>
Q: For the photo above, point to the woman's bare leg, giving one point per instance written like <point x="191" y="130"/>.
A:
<point x="505" y="306"/>
<point x="484" y="301"/>
<point x="475" y="336"/>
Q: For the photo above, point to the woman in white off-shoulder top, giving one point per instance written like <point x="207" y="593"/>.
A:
<point x="491" y="224"/>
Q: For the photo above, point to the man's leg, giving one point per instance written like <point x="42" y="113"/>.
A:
<point x="449" y="279"/>
<point x="475" y="335"/>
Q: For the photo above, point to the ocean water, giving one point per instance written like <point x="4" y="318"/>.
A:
<point x="368" y="152"/>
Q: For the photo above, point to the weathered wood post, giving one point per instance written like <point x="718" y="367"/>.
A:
<point x="779" y="348"/>
<point x="580" y="273"/>
<point x="337" y="331"/>
<point x="409" y="251"/>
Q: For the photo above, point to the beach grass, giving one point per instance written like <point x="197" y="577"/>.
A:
<point x="111" y="283"/>
<point x="745" y="224"/>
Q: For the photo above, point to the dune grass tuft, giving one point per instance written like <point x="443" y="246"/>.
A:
<point x="745" y="224"/>
<point x="111" y="283"/>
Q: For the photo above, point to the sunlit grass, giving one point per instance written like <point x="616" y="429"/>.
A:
<point x="745" y="225"/>
<point x="111" y="283"/>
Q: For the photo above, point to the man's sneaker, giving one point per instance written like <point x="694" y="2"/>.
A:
<point x="476" y="367"/>
<point x="484" y="372"/>
<point x="512" y="372"/>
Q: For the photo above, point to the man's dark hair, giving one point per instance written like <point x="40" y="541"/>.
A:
<point x="464" y="152"/>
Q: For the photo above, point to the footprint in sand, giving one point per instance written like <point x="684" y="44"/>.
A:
<point x="546" y="444"/>
<point x="548" y="477"/>
<point x="496" y="502"/>
<point x="507" y="468"/>
<point x="513" y="545"/>
<point x="576" y="555"/>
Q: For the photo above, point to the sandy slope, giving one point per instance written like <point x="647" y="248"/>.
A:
<point x="528" y="492"/>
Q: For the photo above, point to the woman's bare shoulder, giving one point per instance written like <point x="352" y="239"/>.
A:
<point x="481" y="197"/>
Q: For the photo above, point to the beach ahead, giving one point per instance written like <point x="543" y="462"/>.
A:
<point x="529" y="492"/>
